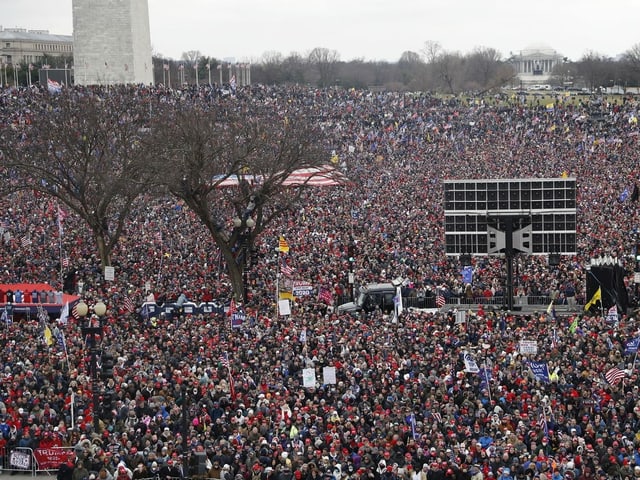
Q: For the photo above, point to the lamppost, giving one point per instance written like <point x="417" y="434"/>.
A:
<point x="91" y="330"/>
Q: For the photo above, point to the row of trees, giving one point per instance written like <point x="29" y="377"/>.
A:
<point x="431" y="69"/>
<point x="97" y="155"/>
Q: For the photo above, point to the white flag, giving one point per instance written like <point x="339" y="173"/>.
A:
<point x="64" y="314"/>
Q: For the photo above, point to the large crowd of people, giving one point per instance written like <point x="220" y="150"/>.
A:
<point x="194" y="396"/>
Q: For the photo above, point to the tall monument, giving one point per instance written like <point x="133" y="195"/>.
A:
<point x="111" y="42"/>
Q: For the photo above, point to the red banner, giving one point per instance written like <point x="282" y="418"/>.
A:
<point x="51" y="458"/>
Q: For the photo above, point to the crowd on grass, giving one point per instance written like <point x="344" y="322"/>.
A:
<point x="194" y="396"/>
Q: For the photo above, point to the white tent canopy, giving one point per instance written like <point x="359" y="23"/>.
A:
<point x="324" y="176"/>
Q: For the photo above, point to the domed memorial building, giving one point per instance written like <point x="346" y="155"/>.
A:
<point x="535" y="64"/>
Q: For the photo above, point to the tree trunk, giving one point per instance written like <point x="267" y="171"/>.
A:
<point x="104" y="250"/>
<point x="235" y="271"/>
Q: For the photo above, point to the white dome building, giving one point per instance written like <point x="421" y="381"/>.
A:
<point x="535" y="63"/>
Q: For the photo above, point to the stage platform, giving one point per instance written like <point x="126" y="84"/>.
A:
<point x="47" y="297"/>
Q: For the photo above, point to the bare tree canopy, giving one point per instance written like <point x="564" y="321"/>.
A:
<point x="199" y="148"/>
<point x="326" y="62"/>
<point x="85" y="150"/>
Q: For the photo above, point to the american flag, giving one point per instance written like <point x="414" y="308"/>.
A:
<point x="74" y="311"/>
<point x="128" y="304"/>
<point x="65" y="262"/>
<point x="286" y="270"/>
<point x="224" y="359"/>
<point x="614" y="375"/>
<point x="324" y="295"/>
<point x="158" y="236"/>
<point x="440" y="300"/>
<point x="543" y="423"/>
<point x="25" y="241"/>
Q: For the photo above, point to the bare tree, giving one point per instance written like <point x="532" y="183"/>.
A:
<point x="326" y="64"/>
<point x="431" y="51"/>
<point x="259" y="149"/>
<point x="85" y="151"/>
<point x="191" y="56"/>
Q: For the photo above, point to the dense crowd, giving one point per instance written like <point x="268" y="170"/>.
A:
<point x="192" y="391"/>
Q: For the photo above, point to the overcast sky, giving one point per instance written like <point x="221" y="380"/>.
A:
<point x="362" y="29"/>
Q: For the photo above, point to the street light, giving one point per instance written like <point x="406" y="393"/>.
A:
<point x="244" y="236"/>
<point x="90" y="330"/>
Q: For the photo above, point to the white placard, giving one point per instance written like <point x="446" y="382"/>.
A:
<point x="109" y="273"/>
<point x="528" y="347"/>
<point x="329" y="375"/>
<point x="309" y="378"/>
<point x="284" y="307"/>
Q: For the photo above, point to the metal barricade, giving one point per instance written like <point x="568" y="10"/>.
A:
<point x="18" y="460"/>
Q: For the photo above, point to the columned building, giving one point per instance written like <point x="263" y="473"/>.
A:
<point x="535" y="64"/>
<point x="19" y="46"/>
<point x="112" y="42"/>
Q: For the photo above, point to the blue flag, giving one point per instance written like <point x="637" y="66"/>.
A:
<point x="467" y="274"/>
<point x="624" y="195"/>
<point x="540" y="370"/>
<point x="632" y="346"/>
<point x="485" y="375"/>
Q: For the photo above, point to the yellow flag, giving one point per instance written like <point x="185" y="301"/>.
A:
<point x="48" y="337"/>
<point x="596" y="296"/>
<point x="283" y="246"/>
<point x="286" y="296"/>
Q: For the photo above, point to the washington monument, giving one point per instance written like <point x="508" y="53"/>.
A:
<point x="111" y="42"/>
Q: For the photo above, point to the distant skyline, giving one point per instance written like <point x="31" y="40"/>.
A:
<point x="362" y="29"/>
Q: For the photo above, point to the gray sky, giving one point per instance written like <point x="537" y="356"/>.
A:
<point x="363" y="29"/>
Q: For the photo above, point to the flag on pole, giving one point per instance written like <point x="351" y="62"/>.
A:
<point x="48" y="337"/>
<point x="614" y="375"/>
<point x="65" y="262"/>
<point x="632" y="346"/>
<point x="53" y="86"/>
<point x="597" y="296"/>
<point x="440" y="300"/>
<point x="62" y="344"/>
<point x="283" y="246"/>
<point x="25" y="241"/>
<point x="543" y="422"/>
<point x="232" y="308"/>
<point x="128" y="304"/>
<point x="61" y="217"/>
<point x="540" y="371"/>
<point x="574" y="326"/>
<point x="286" y="270"/>
<point x="324" y="295"/>
<point x="64" y="314"/>
<point x="224" y="360"/>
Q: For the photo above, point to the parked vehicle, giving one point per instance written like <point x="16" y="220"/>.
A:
<point x="370" y="298"/>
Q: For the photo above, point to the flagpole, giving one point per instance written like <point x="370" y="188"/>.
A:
<point x="277" y="282"/>
<point x="486" y="378"/>
<point x="60" y="246"/>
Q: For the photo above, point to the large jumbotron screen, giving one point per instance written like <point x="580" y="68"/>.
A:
<point x="540" y="213"/>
